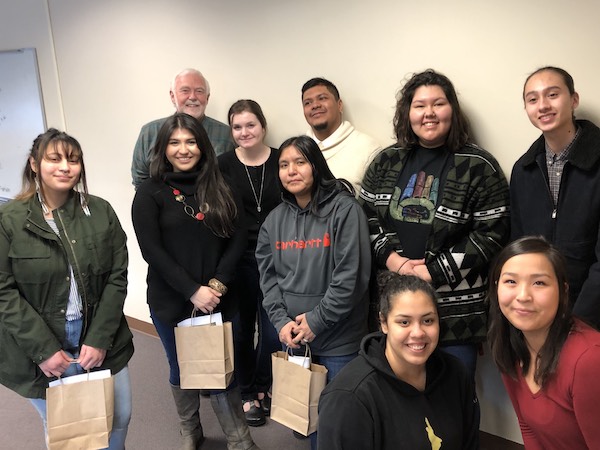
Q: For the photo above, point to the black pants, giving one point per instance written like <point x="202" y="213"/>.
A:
<point x="252" y="364"/>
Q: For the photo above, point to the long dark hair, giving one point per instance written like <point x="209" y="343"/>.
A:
<point x="507" y="343"/>
<point x="459" y="133"/>
<point x="323" y="178"/>
<point x="41" y="144"/>
<point x="211" y="188"/>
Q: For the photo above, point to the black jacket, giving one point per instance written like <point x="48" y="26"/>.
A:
<point x="574" y="225"/>
<point x="367" y="407"/>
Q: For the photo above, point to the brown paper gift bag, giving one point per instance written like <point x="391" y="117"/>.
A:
<point x="205" y="355"/>
<point x="296" y="393"/>
<point x="80" y="415"/>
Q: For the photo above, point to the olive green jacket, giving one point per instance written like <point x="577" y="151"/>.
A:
<point x="35" y="284"/>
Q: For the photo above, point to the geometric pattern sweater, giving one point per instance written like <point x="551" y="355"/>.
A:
<point x="470" y="226"/>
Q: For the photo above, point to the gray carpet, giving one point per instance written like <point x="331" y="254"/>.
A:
<point x="154" y="420"/>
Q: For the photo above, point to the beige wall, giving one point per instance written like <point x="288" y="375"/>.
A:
<point x="106" y="65"/>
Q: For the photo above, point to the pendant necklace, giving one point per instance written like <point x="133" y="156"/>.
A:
<point x="257" y="198"/>
<point x="188" y="209"/>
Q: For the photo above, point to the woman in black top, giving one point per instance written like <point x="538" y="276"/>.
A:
<point x="186" y="221"/>
<point x="253" y="168"/>
<point x="401" y="391"/>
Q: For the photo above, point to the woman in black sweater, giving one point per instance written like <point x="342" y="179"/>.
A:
<point x="253" y="169"/>
<point x="186" y="222"/>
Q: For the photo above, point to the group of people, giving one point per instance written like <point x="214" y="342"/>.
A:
<point x="305" y="242"/>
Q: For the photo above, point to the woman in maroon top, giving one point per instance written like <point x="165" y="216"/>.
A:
<point x="549" y="360"/>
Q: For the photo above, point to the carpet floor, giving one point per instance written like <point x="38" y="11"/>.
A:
<point x="154" y="423"/>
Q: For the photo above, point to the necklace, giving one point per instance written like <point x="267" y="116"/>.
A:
<point x="189" y="210"/>
<point x="257" y="198"/>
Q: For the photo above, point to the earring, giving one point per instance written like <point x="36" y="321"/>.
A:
<point x="39" y="195"/>
<point x="82" y="199"/>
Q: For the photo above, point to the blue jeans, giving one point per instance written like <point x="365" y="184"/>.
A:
<point x="467" y="353"/>
<point x="252" y="365"/>
<point x="334" y="365"/>
<point x="122" y="411"/>
<point x="166" y="333"/>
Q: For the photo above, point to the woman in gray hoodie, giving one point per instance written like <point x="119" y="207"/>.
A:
<point x="314" y="259"/>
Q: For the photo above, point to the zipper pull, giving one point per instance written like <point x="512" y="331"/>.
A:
<point x="554" y="213"/>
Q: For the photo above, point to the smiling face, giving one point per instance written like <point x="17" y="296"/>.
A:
<point x="58" y="171"/>
<point x="322" y="111"/>
<point x="296" y="175"/>
<point x="190" y="94"/>
<point x="182" y="150"/>
<point x="548" y="102"/>
<point x="412" y="328"/>
<point x="430" y="116"/>
<point x="247" y="130"/>
<point x="528" y="294"/>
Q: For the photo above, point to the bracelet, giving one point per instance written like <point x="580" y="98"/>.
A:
<point x="401" y="266"/>
<point x="215" y="284"/>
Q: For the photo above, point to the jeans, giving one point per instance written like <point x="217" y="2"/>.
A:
<point x="166" y="333"/>
<point x="467" y="353"/>
<point x="253" y="365"/>
<point x="122" y="405"/>
<point x="334" y="365"/>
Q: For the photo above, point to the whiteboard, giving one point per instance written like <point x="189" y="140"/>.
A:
<point x="21" y="115"/>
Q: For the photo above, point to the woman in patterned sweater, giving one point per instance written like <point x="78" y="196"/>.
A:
<point x="437" y="207"/>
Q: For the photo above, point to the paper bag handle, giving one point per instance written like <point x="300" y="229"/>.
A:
<point x="60" y="377"/>
<point x="307" y="351"/>
<point x="210" y="321"/>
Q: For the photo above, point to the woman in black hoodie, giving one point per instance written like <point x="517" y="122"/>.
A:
<point x="401" y="391"/>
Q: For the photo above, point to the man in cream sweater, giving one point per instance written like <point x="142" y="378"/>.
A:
<point x="348" y="151"/>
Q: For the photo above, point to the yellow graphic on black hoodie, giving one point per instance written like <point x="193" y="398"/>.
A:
<point x="436" y="442"/>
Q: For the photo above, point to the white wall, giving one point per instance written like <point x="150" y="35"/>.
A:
<point x="106" y="67"/>
<point x="26" y="24"/>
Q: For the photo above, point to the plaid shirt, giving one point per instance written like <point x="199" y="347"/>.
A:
<point x="555" y="162"/>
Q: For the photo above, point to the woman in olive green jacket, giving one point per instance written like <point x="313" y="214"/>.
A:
<point x="63" y="281"/>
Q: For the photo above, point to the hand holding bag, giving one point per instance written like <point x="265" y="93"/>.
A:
<point x="296" y="392"/>
<point x="80" y="411"/>
<point x="205" y="353"/>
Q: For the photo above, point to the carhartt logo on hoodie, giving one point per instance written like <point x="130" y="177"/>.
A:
<point x="308" y="243"/>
